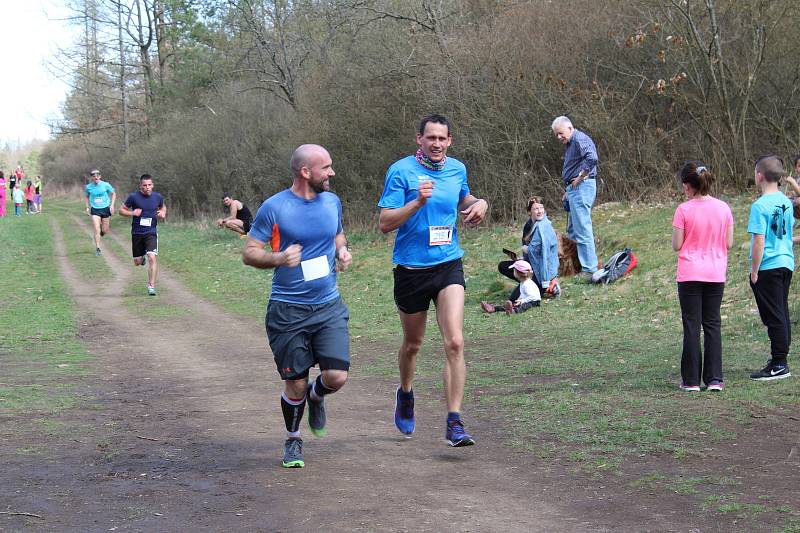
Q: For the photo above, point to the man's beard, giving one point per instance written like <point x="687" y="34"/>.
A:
<point x="321" y="186"/>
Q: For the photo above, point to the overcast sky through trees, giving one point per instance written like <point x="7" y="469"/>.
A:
<point x="30" y="96"/>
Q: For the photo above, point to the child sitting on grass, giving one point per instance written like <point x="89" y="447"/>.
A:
<point x="523" y="297"/>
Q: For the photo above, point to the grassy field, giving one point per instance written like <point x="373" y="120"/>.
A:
<point x="594" y="372"/>
<point x="40" y="353"/>
<point x="604" y="357"/>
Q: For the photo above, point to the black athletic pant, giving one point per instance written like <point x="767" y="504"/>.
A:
<point x="700" y="304"/>
<point x="772" y="298"/>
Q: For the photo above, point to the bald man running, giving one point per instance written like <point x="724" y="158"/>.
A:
<point x="306" y="318"/>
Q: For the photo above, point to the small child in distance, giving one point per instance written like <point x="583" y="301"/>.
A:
<point x="529" y="295"/>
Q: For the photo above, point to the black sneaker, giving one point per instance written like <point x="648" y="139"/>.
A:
<point x="293" y="453"/>
<point x="316" y="415"/>
<point x="772" y="371"/>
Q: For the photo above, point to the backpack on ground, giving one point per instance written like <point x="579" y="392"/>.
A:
<point x="617" y="266"/>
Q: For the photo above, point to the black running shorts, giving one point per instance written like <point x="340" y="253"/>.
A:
<point x="105" y="212"/>
<point x="415" y="288"/>
<point x="144" y="244"/>
<point x="301" y="336"/>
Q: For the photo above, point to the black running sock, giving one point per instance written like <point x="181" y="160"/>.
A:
<point x="453" y="415"/>
<point x="319" y="389"/>
<point x="292" y="412"/>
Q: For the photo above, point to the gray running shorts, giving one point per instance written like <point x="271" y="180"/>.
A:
<point x="302" y="335"/>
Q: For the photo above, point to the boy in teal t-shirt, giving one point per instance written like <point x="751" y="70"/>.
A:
<point x="772" y="264"/>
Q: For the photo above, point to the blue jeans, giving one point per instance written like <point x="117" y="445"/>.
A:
<point x="579" y="225"/>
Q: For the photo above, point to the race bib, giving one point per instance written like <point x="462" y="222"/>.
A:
<point x="147" y="222"/>
<point x="99" y="200"/>
<point x="439" y="235"/>
<point x="315" y="268"/>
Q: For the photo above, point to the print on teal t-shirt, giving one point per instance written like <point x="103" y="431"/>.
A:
<point x="429" y="237"/>
<point x="313" y="224"/>
<point x="771" y="216"/>
<point x="98" y="194"/>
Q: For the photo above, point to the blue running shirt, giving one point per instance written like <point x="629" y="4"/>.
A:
<point x="423" y="240"/>
<point x="98" y="194"/>
<point x="285" y="219"/>
<point x="771" y="216"/>
<point x="147" y="222"/>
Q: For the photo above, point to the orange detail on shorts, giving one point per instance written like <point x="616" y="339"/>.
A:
<point x="275" y="240"/>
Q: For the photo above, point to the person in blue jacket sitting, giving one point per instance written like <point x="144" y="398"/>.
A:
<point x="540" y="249"/>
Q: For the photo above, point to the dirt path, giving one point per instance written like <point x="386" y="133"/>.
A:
<point x="185" y="434"/>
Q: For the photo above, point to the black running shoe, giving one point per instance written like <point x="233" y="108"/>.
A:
<point x="772" y="371"/>
<point x="293" y="453"/>
<point x="316" y="415"/>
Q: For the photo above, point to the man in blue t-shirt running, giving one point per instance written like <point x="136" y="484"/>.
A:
<point x="145" y="206"/>
<point x="306" y="318"/>
<point x="422" y="197"/>
<point x="100" y="200"/>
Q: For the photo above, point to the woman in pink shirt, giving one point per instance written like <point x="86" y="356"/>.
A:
<point x="702" y="233"/>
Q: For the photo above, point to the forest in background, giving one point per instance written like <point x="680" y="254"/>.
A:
<point x="212" y="96"/>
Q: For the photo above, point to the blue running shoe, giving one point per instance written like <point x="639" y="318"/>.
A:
<point x="456" y="436"/>
<point x="404" y="411"/>
<point x="293" y="453"/>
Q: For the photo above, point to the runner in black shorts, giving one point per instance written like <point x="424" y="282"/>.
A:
<point x="422" y="197"/>
<point x="299" y="233"/>
<point x="100" y="199"/>
<point x="238" y="218"/>
<point x="416" y="288"/>
<point x="145" y="206"/>
<point x="141" y="245"/>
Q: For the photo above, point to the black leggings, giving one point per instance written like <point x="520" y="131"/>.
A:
<point x="700" y="304"/>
